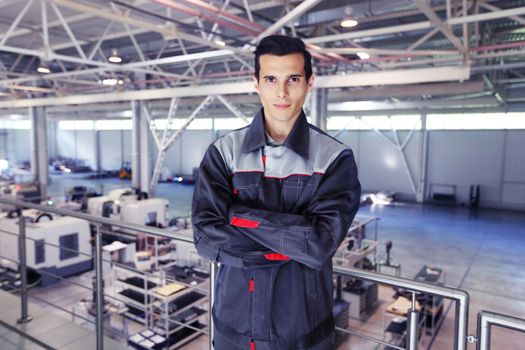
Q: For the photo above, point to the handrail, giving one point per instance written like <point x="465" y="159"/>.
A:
<point x="486" y="319"/>
<point x="100" y="220"/>
<point x="460" y="296"/>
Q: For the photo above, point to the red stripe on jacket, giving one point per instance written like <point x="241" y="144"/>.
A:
<point x="240" y="222"/>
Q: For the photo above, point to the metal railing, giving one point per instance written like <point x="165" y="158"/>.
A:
<point x="487" y="319"/>
<point x="460" y="297"/>
<point x="99" y="223"/>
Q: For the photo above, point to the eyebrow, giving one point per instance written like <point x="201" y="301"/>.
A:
<point x="288" y="77"/>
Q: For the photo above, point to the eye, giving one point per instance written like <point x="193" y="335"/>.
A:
<point x="270" y="79"/>
<point x="295" y="80"/>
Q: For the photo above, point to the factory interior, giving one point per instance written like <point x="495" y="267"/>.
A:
<point x="107" y="108"/>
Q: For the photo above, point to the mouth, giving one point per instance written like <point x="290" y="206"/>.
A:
<point x="281" y="106"/>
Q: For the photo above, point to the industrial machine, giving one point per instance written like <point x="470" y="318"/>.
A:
<point x="54" y="244"/>
<point x="127" y="205"/>
<point x="27" y="192"/>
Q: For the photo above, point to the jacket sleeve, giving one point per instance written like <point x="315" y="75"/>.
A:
<point x="312" y="238"/>
<point x="214" y="238"/>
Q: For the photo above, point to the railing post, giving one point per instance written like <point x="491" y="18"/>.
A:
<point x="24" y="318"/>
<point x="99" y="289"/>
<point x="412" y="325"/>
<point x="462" y="304"/>
<point x="483" y="333"/>
<point x="213" y="276"/>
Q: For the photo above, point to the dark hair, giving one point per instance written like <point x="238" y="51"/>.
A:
<point x="280" y="45"/>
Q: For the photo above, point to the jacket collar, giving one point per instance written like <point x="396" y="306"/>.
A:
<point x="297" y="140"/>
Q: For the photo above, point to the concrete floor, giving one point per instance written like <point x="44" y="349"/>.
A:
<point x="481" y="251"/>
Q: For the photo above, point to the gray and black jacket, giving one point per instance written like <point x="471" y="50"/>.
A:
<point x="273" y="216"/>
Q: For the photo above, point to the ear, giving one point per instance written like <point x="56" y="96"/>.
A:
<point x="255" y="83"/>
<point x="310" y="83"/>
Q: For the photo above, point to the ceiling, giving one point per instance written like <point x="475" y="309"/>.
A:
<point x="445" y="55"/>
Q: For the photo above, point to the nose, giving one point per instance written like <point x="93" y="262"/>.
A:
<point x="283" y="90"/>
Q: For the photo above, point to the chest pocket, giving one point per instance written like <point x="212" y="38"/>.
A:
<point x="246" y="186"/>
<point x="297" y="192"/>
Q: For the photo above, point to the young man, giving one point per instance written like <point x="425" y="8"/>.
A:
<point x="272" y="203"/>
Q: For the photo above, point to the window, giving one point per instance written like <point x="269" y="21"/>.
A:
<point x="348" y="123"/>
<point x="476" y="121"/>
<point x="40" y="251"/>
<point x="68" y="246"/>
<point x="15" y="124"/>
<point x="379" y="122"/>
<point x="229" y="123"/>
<point x="76" y="124"/>
<point x="113" y="124"/>
<point x="177" y="123"/>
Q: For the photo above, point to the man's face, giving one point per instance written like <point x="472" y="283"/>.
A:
<point x="282" y="86"/>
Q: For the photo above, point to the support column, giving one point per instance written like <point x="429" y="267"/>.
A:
<point x="135" y="145"/>
<point x="319" y="108"/>
<point x="98" y="153"/>
<point x="39" y="161"/>
<point x="145" y="163"/>
<point x="423" y="156"/>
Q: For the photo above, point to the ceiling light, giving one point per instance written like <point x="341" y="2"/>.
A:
<point x="114" y="58"/>
<point x="363" y="55"/>
<point x="220" y="42"/>
<point x="110" y="82"/>
<point x="43" y="69"/>
<point x="349" y="23"/>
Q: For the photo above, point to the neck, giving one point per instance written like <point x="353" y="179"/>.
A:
<point x="279" y="130"/>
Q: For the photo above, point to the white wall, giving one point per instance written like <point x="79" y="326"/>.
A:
<point x="187" y="152"/>
<point x="381" y="166"/>
<point x="77" y="144"/>
<point x="111" y="148"/>
<point x="493" y="159"/>
<point x="513" y="182"/>
<point x="464" y="158"/>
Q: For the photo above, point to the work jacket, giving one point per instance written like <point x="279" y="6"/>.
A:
<point x="273" y="216"/>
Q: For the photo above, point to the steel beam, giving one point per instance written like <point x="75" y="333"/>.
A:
<point x="518" y="11"/>
<point x="69" y="31"/>
<point x="358" y="106"/>
<point x="110" y="15"/>
<point x="444" y="28"/>
<point x="408" y="52"/>
<point x="232" y="108"/>
<point x="15" y="23"/>
<point x="290" y="16"/>
<point x="435" y="89"/>
<point x="399" y="77"/>
<point x="493" y="8"/>
<point x="104" y="66"/>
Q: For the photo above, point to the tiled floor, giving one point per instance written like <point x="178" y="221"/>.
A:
<point x="481" y="251"/>
<point x="55" y="331"/>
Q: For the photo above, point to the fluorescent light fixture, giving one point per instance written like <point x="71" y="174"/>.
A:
<point x="110" y="82"/>
<point x="220" y="42"/>
<point x="114" y="58"/>
<point x="349" y="23"/>
<point x="43" y="70"/>
<point x="363" y="55"/>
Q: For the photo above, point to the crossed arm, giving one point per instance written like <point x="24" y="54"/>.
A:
<point x="236" y="235"/>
